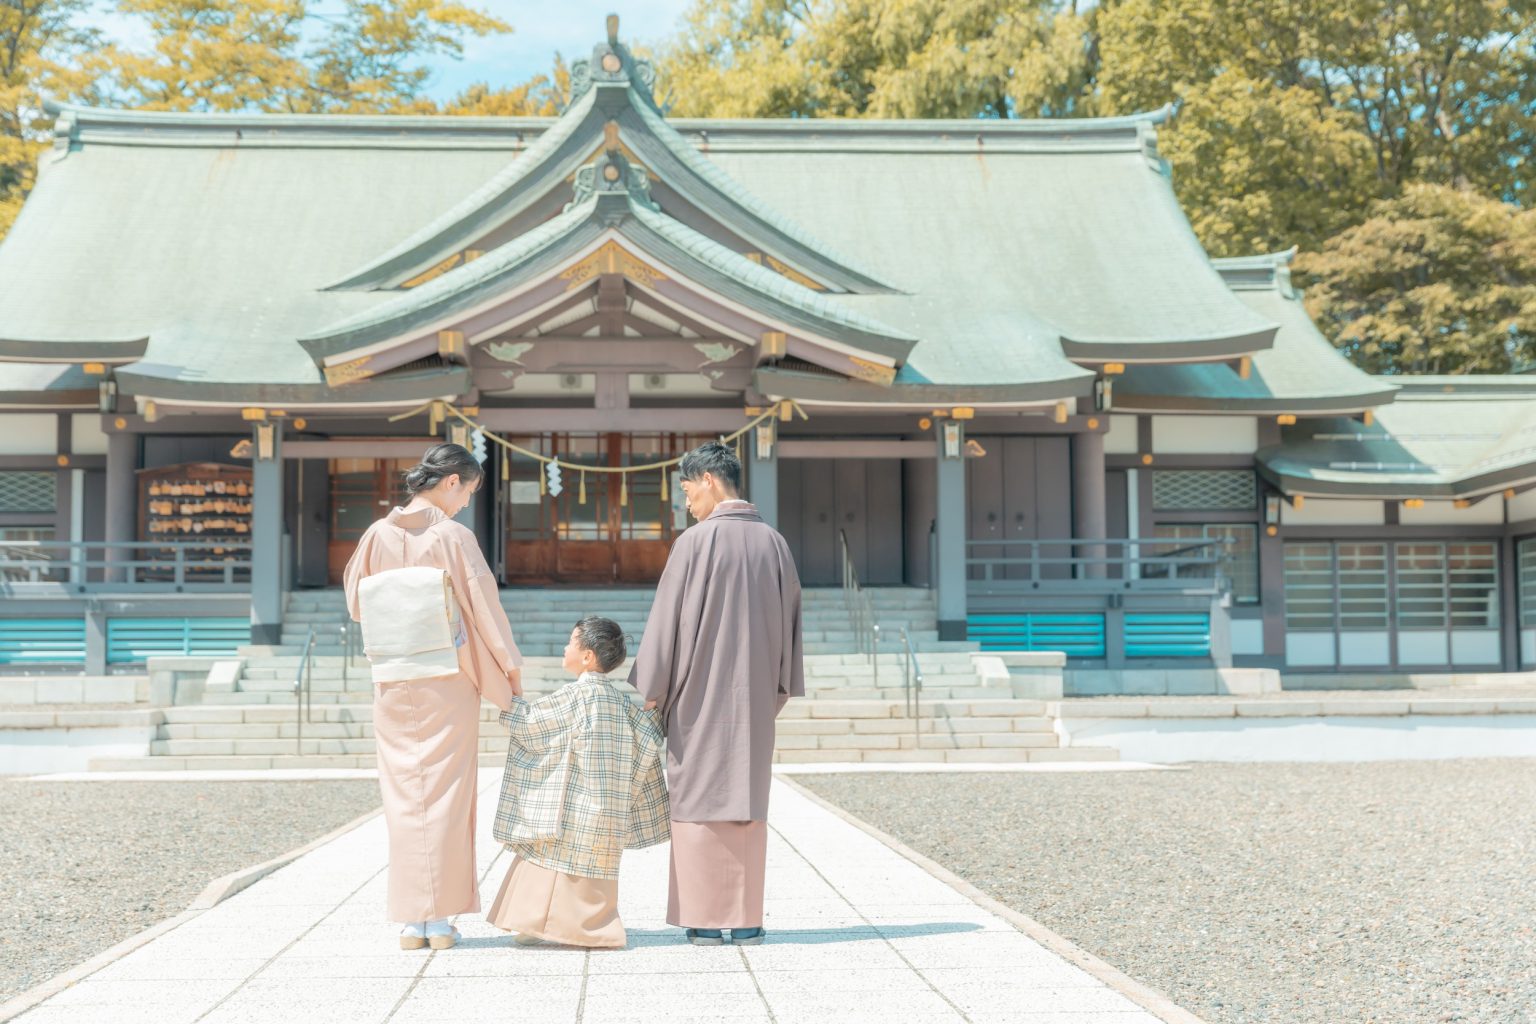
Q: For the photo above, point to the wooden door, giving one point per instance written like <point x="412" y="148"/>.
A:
<point x="362" y="490"/>
<point x="1021" y="490"/>
<point x="820" y="498"/>
<point x="623" y="529"/>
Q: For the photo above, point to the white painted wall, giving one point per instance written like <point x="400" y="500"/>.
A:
<point x="1438" y="513"/>
<point x="1247" y="636"/>
<point x="1331" y="738"/>
<point x="29" y="434"/>
<point x="1121" y="437"/>
<point x="1205" y="435"/>
<point x="1522" y="506"/>
<point x="86" y="436"/>
<point x="1333" y="512"/>
<point x="1308" y="649"/>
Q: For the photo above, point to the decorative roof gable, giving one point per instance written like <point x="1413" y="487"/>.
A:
<point x="611" y="109"/>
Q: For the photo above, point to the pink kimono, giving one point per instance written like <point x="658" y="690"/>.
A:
<point x="427" y="731"/>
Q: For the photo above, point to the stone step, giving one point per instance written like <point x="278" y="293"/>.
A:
<point x="993" y="755"/>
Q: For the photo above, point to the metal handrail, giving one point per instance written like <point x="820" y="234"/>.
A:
<point x="1187" y="564"/>
<point x="861" y="609"/>
<point x="178" y="563"/>
<point x="302" y="688"/>
<point x="349" y="646"/>
<point x="911" y="683"/>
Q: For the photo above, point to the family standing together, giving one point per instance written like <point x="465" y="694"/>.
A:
<point x="584" y="776"/>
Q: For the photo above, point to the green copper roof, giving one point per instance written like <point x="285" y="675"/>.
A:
<point x="1007" y="246"/>
<point x="1441" y="437"/>
<point x="1302" y="372"/>
<point x="542" y="250"/>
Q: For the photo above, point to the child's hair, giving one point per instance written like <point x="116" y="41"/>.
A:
<point x="605" y="639"/>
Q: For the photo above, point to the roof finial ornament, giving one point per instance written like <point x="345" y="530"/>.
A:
<point x="611" y="66"/>
<point x="613" y="174"/>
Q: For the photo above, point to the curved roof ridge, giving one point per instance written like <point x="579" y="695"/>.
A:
<point x="481" y="197"/>
<point x="715" y="177"/>
<point x="461" y="278"/>
<point x="710" y="252"/>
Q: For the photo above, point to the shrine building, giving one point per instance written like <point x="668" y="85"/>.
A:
<point x="987" y="360"/>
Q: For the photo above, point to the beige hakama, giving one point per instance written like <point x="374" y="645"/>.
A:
<point x="559" y="907"/>
<point x="717" y="873"/>
<point x="427" y="731"/>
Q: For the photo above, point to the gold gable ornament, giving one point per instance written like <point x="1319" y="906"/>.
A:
<point x="611" y="258"/>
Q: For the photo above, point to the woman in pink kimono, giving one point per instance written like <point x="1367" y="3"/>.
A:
<point x="427" y="730"/>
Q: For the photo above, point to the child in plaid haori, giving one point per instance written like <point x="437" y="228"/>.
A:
<point x="583" y="783"/>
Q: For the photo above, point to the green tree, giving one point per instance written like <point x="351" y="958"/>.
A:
<point x="232" y="55"/>
<point x="1439" y="91"/>
<point x="1437" y="280"/>
<point x="540" y="96"/>
<point x="1259" y="167"/>
<point x="877" y="58"/>
<point x="39" y="40"/>
<point x="371" y="59"/>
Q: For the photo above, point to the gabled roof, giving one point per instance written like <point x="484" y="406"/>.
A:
<point x="1011" y="252"/>
<point x="612" y="107"/>
<point x="616" y="210"/>
<point x="1301" y="373"/>
<point x="1446" y="437"/>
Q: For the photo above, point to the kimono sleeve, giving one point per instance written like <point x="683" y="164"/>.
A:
<point x="539" y="726"/>
<point x="491" y="631"/>
<point x="792" y="665"/>
<point x="355" y="572"/>
<point x="656" y="663"/>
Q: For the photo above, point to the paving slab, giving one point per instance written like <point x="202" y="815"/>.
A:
<point x="856" y="931"/>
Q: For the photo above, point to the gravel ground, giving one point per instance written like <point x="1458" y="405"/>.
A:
<point x="1393" y="893"/>
<point x="89" y="864"/>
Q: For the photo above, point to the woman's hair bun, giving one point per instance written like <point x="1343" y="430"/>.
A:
<point x="437" y="464"/>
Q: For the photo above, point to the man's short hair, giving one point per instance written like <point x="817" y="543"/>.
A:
<point x="716" y="459"/>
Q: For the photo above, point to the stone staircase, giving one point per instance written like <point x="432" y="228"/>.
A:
<point x="542" y="618"/>
<point x="340" y="735"/>
<point x="855" y="709"/>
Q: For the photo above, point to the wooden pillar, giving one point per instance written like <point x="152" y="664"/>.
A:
<point x="122" y="496"/>
<point x="949" y="532"/>
<point x="268" y="552"/>
<point x="763" y="474"/>
<point x="1089" y="514"/>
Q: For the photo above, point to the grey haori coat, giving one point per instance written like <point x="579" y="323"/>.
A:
<point x="721" y="656"/>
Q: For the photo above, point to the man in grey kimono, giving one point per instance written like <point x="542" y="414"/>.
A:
<point x="721" y="655"/>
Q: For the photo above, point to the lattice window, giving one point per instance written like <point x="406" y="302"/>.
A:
<point x="1176" y="490"/>
<point x="1527" y="571"/>
<point x="28" y="492"/>
<point x="1309" y="579"/>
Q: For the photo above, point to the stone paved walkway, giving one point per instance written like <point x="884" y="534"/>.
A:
<point x="856" y="933"/>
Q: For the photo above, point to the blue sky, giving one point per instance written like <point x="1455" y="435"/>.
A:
<point x="539" y="31"/>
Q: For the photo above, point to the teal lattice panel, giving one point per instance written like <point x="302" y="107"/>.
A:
<point x="132" y="640"/>
<point x="38" y="641"/>
<point x="1168" y="635"/>
<point x="1079" y="636"/>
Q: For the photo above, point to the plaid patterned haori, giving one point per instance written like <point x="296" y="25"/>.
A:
<point x="583" y="779"/>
